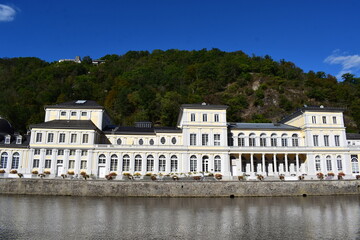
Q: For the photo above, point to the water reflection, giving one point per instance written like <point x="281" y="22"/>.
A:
<point x="36" y="217"/>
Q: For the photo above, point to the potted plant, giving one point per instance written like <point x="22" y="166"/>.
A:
<point x="2" y="171"/>
<point x="242" y="177"/>
<point x="20" y="175"/>
<point x="84" y="175"/>
<point x="218" y="176"/>
<point x="153" y="177"/>
<point x="63" y="176"/>
<point x="47" y="172"/>
<point x="41" y="175"/>
<point x="260" y="177"/>
<point x="13" y="171"/>
<point x="127" y="176"/>
<point x="137" y="175"/>
<point x="320" y="176"/>
<point x="330" y="175"/>
<point x="341" y="175"/>
<point x="175" y="178"/>
<point x="71" y="172"/>
<point x="357" y="177"/>
<point x="197" y="178"/>
<point x="301" y="177"/>
<point x="282" y="177"/>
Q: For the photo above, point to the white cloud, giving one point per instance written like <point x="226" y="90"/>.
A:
<point x="7" y="13"/>
<point x="349" y="63"/>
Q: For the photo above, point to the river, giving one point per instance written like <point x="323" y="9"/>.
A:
<point x="54" y="217"/>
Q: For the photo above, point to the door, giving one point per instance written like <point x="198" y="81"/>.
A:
<point x="101" y="172"/>
<point x="59" y="170"/>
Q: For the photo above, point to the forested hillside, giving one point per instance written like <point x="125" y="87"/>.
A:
<point x="151" y="86"/>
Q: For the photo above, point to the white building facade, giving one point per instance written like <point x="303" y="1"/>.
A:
<point x="78" y="137"/>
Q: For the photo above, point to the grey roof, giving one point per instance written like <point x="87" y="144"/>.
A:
<point x="66" y="124"/>
<point x="263" y="126"/>
<point x="353" y="136"/>
<point x="24" y="142"/>
<point x="78" y="104"/>
<point x="311" y="109"/>
<point x="203" y="106"/>
<point x="140" y="131"/>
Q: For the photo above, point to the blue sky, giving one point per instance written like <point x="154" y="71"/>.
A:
<point x="319" y="35"/>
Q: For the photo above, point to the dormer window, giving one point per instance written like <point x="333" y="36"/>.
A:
<point x="7" y="139"/>
<point x="19" y="139"/>
<point x="63" y="113"/>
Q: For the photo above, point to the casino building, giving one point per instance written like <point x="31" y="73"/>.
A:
<point x="78" y="136"/>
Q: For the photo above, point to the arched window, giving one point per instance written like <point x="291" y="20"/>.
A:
<point x="354" y="164"/>
<point x="317" y="163"/>
<point x="15" y="161"/>
<point x="113" y="162"/>
<point x="273" y="140"/>
<point x="263" y="140"/>
<point x="193" y="163"/>
<point x="162" y="163"/>
<point x="138" y="162"/>
<point x="284" y="141"/>
<point x="126" y="162"/>
<point x="4" y="159"/>
<point x="150" y="163"/>
<point x="295" y="140"/>
<point x="102" y="159"/>
<point x="328" y="163"/>
<point x="252" y="140"/>
<point x="339" y="163"/>
<point x="217" y="164"/>
<point x="205" y="164"/>
<point x="174" y="163"/>
<point x="241" y="140"/>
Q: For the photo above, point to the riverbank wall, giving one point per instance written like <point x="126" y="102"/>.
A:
<point x="64" y="187"/>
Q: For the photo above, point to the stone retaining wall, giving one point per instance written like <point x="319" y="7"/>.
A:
<point x="176" y="188"/>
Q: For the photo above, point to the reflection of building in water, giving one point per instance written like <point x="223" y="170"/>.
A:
<point x="78" y="137"/>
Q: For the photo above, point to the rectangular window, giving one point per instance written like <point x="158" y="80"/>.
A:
<point x="38" y="137"/>
<point x="217" y="164"/>
<point x="150" y="164"/>
<point x="328" y="165"/>
<point x="126" y="164"/>
<point x="137" y="164"/>
<point x="63" y="113"/>
<point x="252" y="141"/>
<point x="85" y="138"/>
<point x="113" y="164"/>
<point x="36" y="163"/>
<point x="73" y="114"/>
<point x="50" y="137"/>
<point x="313" y="119"/>
<point x="193" y="117"/>
<point x="316" y="140"/>
<point x="216" y="139"/>
<point x="192" y="139"/>
<point x="83" y="114"/>
<point x="83" y="164"/>
<point x="334" y="120"/>
<point x="72" y="152"/>
<point x="162" y="164"/>
<point x="216" y="118"/>
<point x="205" y="139"/>
<point x="324" y="119"/>
<point x="326" y="140"/>
<point x="62" y="138"/>
<point x="47" y="163"/>
<point x="73" y="138"/>
<point x="71" y="164"/>
<point x="204" y="117"/>
<point x="37" y="152"/>
<point x="60" y="152"/>
<point x="60" y="161"/>
<point x="317" y="165"/>
<point x="337" y="140"/>
<point x="173" y="164"/>
<point x="83" y="153"/>
<point x="48" y="151"/>
<point x="262" y="141"/>
<point x="193" y="164"/>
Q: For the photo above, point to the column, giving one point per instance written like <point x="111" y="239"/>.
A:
<point x="53" y="162"/>
<point x="120" y="164"/>
<point x="90" y="162"/>
<point x="41" y="161"/>
<point x="263" y="164"/>
<point x="66" y="160"/>
<point x="334" y="164"/>
<point x="156" y="163"/>
<point x="30" y="160"/>
<point x="240" y="161"/>
<point x="286" y="165"/>
<point x="297" y="165"/>
<point x="275" y="164"/>
<point x="211" y="163"/>
<point x="199" y="162"/>
<point x="143" y="163"/>
<point x="77" y="162"/>
<point x="252" y="164"/>
<point x="132" y="163"/>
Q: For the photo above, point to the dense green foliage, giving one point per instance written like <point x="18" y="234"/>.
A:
<point x="140" y="85"/>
